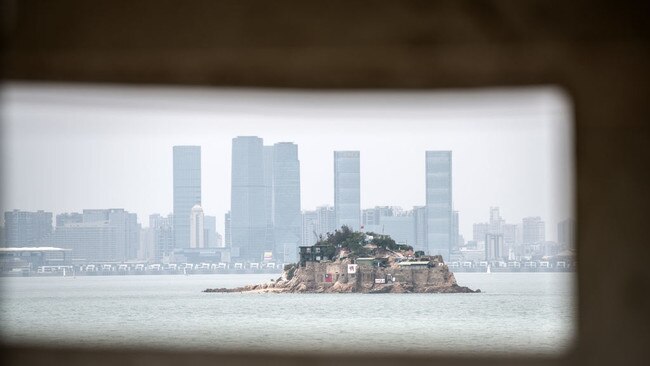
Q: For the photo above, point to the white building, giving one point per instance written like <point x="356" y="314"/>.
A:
<point x="197" y="235"/>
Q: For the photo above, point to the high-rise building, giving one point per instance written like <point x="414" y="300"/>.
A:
<point x="68" y="218"/>
<point x="197" y="233"/>
<point x="534" y="230"/>
<point x="455" y="231"/>
<point x="210" y="232"/>
<point x="494" y="249"/>
<point x="161" y="232"/>
<point x="479" y="230"/>
<point x="399" y="227"/>
<point x="103" y="235"/>
<point x="269" y="236"/>
<point x="566" y="233"/>
<point x="420" y="228"/>
<point x="326" y="220"/>
<point x="438" y="202"/>
<point x="496" y="222"/>
<point x="226" y="230"/>
<point x="248" y="218"/>
<point x="187" y="190"/>
<point x="347" y="189"/>
<point x="510" y="235"/>
<point x="27" y="229"/>
<point x="287" y="219"/>
<point x="372" y="216"/>
<point x="309" y="227"/>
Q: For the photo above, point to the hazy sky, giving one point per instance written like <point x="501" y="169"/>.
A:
<point x="70" y="147"/>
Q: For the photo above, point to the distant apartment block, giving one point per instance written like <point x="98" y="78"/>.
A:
<point x="326" y="220"/>
<point x="439" y="202"/>
<point x="309" y="228"/>
<point x="479" y="230"/>
<point x="494" y="247"/>
<point x="160" y="237"/>
<point x="103" y="235"/>
<point x="534" y="230"/>
<point x="187" y="190"/>
<point x="26" y="229"/>
<point x="347" y="189"/>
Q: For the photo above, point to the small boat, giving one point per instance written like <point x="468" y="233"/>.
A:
<point x="488" y="269"/>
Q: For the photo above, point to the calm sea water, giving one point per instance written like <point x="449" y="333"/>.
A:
<point x="516" y="313"/>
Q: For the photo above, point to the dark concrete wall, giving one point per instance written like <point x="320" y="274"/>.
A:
<point x="598" y="51"/>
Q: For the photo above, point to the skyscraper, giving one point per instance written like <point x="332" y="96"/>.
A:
<point x="347" y="189"/>
<point x="269" y="237"/>
<point x="438" y="202"/>
<point x="197" y="234"/>
<point x="248" y="220"/>
<point x="187" y="190"/>
<point x="287" y="219"/>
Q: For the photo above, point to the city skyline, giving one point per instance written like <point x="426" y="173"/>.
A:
<point x="501" y="161"/>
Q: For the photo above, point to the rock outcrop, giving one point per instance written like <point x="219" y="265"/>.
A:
<point x="388" y="276"/>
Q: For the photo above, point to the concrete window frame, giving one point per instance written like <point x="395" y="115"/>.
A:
<point x="598" y="52"/>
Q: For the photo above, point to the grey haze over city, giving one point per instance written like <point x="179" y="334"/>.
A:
<point x="66" y="148"/>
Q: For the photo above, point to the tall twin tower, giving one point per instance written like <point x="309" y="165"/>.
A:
<point x="265" y="211"/>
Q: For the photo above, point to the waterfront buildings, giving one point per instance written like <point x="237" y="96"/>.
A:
<point x="103" y="235"/>
<point x="197" y="233"/>
<point x="248" y="216"/>
<point x="26" y="229"/>
<point x="347" y="189"/>
<point x="187" y="190"/>
<point x="439" y="202"/>
<point x="287" y="219"/>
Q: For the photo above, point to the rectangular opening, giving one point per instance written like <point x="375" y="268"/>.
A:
<point x="483" y="177"/>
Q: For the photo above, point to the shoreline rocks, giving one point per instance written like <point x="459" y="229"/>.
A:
<point x="338" y="277"/>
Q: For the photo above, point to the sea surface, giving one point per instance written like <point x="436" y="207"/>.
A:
<point x="516" y="313"/>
